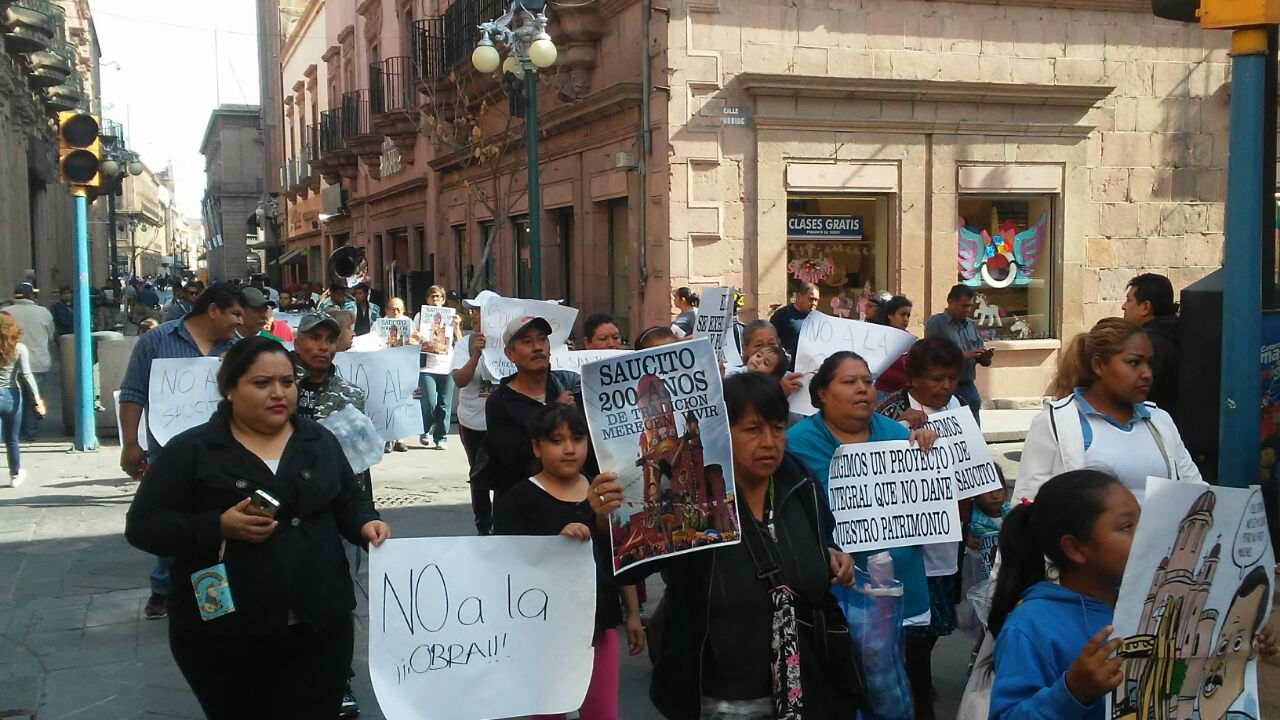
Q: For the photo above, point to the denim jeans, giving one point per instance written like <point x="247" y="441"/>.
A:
<point x="160" y="581"/>
<point x="968" y="392"/>
<point x="437" y="397"/>
<point x="31" y="423"/>
<point x="10" y="419"/>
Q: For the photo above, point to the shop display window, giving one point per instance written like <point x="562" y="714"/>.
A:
<point x="841" y="244"/>
<point x="1005" y="253"/>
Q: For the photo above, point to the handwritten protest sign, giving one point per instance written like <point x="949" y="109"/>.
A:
<point x="658" y="420"/>
<point x="889" y="494"/>
<point x="1196" y="590"/>
<point x="499" y="311"/>
<point x="562" y="358"/>
<point x="470" y="628"/>
<point x="714" y="312"/>
<point x="965" y="453"/>
<point x="388" y="378"/>
<point x="142" y="424"/>
<point x="395" y="332"/>
<point x="822" y="336"/>
<point x="183" y="393"/>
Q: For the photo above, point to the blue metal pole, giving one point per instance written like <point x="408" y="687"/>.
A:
<point x="86" y="421"/>
<point x="1240" y="412"/>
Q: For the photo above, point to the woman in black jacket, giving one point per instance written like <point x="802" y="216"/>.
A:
<point x="713" y="633"/>
<point x="279" y="645"/>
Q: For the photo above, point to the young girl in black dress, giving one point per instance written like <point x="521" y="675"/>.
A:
<point x="554" y="502"/>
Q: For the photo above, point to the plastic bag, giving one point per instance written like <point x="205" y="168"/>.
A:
<point x="357" y="436"/>
<point x="976" y="572"/>
<point x="874" y="608"/>
<point x="976" y="702"/>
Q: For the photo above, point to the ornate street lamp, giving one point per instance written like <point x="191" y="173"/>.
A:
<point x="523" y="30"/>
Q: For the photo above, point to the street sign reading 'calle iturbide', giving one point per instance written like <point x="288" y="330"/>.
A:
<point x="737" y="116"/>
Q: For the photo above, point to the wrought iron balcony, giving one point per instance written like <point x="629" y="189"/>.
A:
<point x="355" y="123"/>
<point x="67" y="96"/>
<point x="391" y="86"/>
<point x="441" y="42"/>
<point x="51" y="67"/>
<point x="29" y="25"/>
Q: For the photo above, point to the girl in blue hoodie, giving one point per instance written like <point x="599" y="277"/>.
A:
<point x="1052" y="658"/>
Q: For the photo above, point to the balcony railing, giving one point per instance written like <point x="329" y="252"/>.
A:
<point x="29" y="25"/>
<point x="429" y="48"/>
<point x="355" y="115"/>
<point x="328" y="130"/>
<point x="391" y="85"/>
<point x="441" y="42"/>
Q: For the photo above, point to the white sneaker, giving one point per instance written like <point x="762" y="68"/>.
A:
<point x="425" y="440"/>
<point x="16" y="480"/>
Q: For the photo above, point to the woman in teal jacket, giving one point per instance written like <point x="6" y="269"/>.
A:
<point x="844" y="393"/>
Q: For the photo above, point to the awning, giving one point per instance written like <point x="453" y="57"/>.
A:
<point x="293" y="257"/>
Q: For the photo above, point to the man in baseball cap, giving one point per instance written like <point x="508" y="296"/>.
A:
<point x="534" y="384"/>
<point x="255" y="305"/>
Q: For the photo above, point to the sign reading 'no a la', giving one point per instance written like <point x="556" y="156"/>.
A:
<point x="470" y="628"/>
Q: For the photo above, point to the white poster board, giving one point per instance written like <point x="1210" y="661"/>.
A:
<point x="714" y="310"/>
<point x="1197" y="586"/>
<point x="889" y="494"/>
<point x="388" y="378"/>
<point x="471" y="628"/>
<point x="562" y="358"/>
<point x="500" y="311"/>
<point x="182" y="394"/>
<point x="823" y="335"/>
<point x="142" y="424"/>
<point x="658" y="420"/>
<point x="292" y="319"/>
<point x="965" y="452"/>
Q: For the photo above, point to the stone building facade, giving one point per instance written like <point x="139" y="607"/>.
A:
<point x="49" y="64"/>
<point x="1041" y="153"/>
<point x="234" y="186"/>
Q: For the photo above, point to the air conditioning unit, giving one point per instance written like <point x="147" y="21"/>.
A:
<point x="624" y="160"/>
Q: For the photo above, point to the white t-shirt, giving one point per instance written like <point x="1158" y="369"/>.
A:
<point x="472" y="396"/>
<point x="940" y="559"/>
<point x="436" y="363"/>
<point x="273" y="465"/>
<point x="1131" y="455"/>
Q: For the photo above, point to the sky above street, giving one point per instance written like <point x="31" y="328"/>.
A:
<point x="166" y="64"/>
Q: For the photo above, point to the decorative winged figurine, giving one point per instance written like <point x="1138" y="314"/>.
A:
<point x="1008" y="258"/>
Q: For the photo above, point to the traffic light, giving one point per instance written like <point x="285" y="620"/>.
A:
<point x="79" y="149"/>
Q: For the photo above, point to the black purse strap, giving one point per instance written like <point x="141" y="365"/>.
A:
<point x="767" y="569"/>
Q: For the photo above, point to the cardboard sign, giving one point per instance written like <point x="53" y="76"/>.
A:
<point x="470" y="628"/>
<point x="965" y="452"/>
<point x="658" y="420"/>
<point x="562" y="358"/>
<point x="822" y="336"/>
<point x="500" y="311"/>
<point x="183" y="393"/>
<point x="1196" y="590"/>
<point x="889" y="494"/>
<point x="714" y="311"/>
<point x="388" y="378"/>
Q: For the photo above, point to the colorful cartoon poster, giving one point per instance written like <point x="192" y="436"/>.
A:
<point x="1270" y="361"/>
<point x="468" y="628"/>
<point x="1196" y="590"/>
<point x="823" y="335"/>
<point x="397" y="332"/>
<point x="658" y="420"/>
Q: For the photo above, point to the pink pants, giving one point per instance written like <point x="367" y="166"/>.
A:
<point x="601" y="702"/>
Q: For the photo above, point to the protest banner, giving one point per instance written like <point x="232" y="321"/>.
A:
<point x="823" y="335"/>
<point x="388" y="378"/>
<point x="499" y="311"/>
<point x="562" y="358"/>
<point x="890" y="494"/>
<point x="1196" y="591"/>
<point x="658" y="420"/>
<point x="368" y="342"/>
<point x="471" y="628"/>
<point x="182" y="394"/>
<point x="714" y="311"/>
<point x="968" y="460"/>
<point x="291" y="319"/>
<point x="435" y="330"/>
<point x="395" y="332"/>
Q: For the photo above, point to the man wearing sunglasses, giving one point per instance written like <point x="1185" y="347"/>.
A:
<point x="182" y="302"/>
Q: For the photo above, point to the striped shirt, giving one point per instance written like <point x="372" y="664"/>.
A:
<point x="169" y="340"/>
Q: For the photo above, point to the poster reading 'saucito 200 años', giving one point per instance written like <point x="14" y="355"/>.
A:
<point x="658" y="420"/>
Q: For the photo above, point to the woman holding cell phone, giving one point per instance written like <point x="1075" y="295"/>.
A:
<point x="251" y="506"/>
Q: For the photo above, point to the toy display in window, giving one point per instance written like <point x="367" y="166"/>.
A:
<point x="1003" y="259"/>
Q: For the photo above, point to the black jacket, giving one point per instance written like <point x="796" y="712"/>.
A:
<point x="1164" y="335"/>
<point x="302" y="567"/>
<point x="682" y="620"/>
<point x="507" y="414"/>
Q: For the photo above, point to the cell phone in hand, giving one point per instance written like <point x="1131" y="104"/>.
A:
<point x="261" y="503"/>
